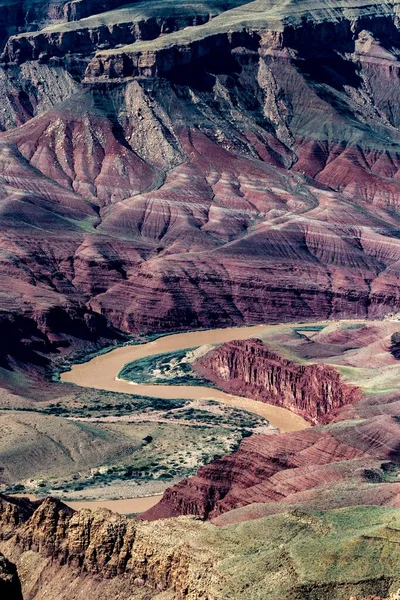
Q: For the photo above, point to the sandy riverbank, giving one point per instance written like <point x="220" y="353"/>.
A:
<point x="102" y="372"/>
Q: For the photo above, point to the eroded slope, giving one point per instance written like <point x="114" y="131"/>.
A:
<point x="274" y="557"/>
<point x="262" y="189"/>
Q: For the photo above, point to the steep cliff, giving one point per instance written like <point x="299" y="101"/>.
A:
<point x="10" y="587"/>
<point x="248" y="368"/>
<point x="120" y="25"/>
<point x="60" y="553"/>
<point x="103" y="544"/>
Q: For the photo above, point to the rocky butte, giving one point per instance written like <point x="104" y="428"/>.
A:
<point x="168" y="166"/>
<point x="248" y="368"/>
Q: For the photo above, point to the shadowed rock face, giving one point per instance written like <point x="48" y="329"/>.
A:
<point x="248" y="368"/>
<point x="10" y="587"/>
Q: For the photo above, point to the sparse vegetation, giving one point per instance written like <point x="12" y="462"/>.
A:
<point x="102" y="403"/>
<point x="137" y="453"/>
<point x="174" y="368"/>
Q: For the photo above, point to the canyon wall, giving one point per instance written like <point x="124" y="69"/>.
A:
<point x="234" y="164"/>
<point x="248" y="368"/>
<point x="190" y="180"/>
<point x="60" y="553"/>
<point x="103" y="544"/>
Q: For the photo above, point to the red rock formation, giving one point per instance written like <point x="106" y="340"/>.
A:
<point x="248" y="368"/>
<point x="280" y="469"/>
<point x="128" y="202"/>
<point x="244" y="170"/>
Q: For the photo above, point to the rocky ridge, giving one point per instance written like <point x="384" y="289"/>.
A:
<point x="104" y="544"/>
<point x="184" y="558"/>
<point x="319" y="466"/>
<point x="291" y="26"/>
<point x="249" y="369"/>
<point x="114" y="28"/>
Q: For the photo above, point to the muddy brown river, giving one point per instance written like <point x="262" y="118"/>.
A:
<point x="102" y="372"/>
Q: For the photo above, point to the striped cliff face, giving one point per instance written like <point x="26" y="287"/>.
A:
<point x="249" y="368"/>
<point x="168" y="166"/>
<point x="199" y="178"/>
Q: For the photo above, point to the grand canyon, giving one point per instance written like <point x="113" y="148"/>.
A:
<point x="199" y="300"/>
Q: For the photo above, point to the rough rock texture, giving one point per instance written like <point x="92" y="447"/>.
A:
<point x="140" y="21"/>
<point x="160" y="202"/>
<point x="61" y="552"/>
<point x="319" y="466"/>
<point x="104" y="544"/>
<point x="10" y="587"/>
<point x="249" y="369"/>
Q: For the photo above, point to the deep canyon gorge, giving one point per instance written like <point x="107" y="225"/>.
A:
<point x="172" y="167"/>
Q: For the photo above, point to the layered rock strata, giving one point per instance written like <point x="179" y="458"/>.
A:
<point x="249" y="369"/>
<point x="169" y="202"/>
<point x="319" y="466"/>
<point x="106" y="545"/>
<point x="60" y="552"/>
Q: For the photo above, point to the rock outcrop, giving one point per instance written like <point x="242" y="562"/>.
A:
<point x="119" y="27"/>
<point x="102" y="544"/>
<point x="110" y="556"/>
<point x="10" y="587"/>
<point x="318" y="466"/>
<point x="286" y="29"/>
<point x="249" y="369"/>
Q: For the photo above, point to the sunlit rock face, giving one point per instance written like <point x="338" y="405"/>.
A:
<point x="249" y="369"/>
<point x="240" y="167"/>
